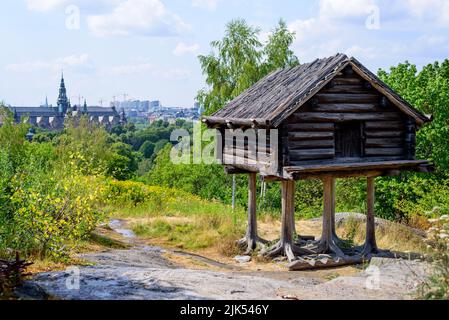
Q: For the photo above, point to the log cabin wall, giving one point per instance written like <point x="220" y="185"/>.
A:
<point x="348" y="121"/>
<point x="239" y="148"/>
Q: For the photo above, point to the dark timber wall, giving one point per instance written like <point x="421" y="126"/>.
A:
<point x="347" y="121"/>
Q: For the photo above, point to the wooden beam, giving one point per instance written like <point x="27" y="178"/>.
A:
<point x="259" y="123"/>
<point x="233" y="170"/>
<point x="294" y="136"/>
<point x="336" y="174"/>
<point x="340" y="117"/>
<point x="348" y="107"/>
<point x="307" y="154"/>
<point x="311" y="127"/>
<point x="381" y="165"/>
<point x="347" y="98"/>
<point x="385" y="125"/>
<point x="384" y="151"/>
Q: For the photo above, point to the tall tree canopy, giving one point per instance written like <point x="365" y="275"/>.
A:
<point x="428" y="90"/>
<point x="240" y="59"/>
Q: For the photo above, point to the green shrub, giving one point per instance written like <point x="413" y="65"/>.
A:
<point x="437" y="285"/>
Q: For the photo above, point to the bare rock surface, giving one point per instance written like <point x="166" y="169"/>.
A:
<point x="384" y="279"/>
<point x="143" y="273"/>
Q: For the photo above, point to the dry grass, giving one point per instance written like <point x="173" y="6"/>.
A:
<point x="390" y="236"/>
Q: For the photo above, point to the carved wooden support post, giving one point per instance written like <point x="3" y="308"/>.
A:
<point x="251" y="239"/>
<point x="286" y="246"/>
<point x="370" y="246"/>
<point x="328" y="242"/>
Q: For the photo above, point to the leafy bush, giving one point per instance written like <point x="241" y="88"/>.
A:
<point x="47" y="201"/>
<point x="437" y="286"/>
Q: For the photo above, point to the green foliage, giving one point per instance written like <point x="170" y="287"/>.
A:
<point x="412" y="194"/>
<point x="123" y="162"/>
<point x="147" y="149"/>
<point x="47" y="203"/>
<point x="428" y="91"/>
<point x="239" y="60"/>
<point x="437" y="285"/>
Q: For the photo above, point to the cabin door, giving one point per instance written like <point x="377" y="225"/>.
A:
<point x="348" y="140"/>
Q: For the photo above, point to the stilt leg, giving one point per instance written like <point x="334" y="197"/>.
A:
<point x="251" y="240"/>
<point x="337" y="240"/>
<point x="328" y="244"/>
<point x="370" y="246"/>
<point x="286" y="246"/>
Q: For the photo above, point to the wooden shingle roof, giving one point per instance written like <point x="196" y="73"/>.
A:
<point x="274" y="98"/>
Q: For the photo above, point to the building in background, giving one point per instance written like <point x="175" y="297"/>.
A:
<point x="52" y="118"/>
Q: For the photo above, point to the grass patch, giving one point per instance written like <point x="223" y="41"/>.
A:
<point x="106" y="242"/>
<point x="390" y="236"/>
<point x="176" y="218"/>
<point x="199" y="233"/>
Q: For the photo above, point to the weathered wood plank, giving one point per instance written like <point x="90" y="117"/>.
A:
<point x="385" y="143"/>
<point x="348" y="108"/>
<point x="345" y="88"/>
<point x="238" y="161"/>
<point x="294" y="136"/>
<point x="347" y="81"/>
<point x="311" y="127"/>
<point x="250" y="154"/>
<point x="384" y="151"/>
<point x="311" y="144"/>
<point x="340" y="117"/>
<point x="385" y="125"/>
<point x="347" y="98"/>
<point x="384" y="134"/>
<point x="312" y="154"/>
<point x="354" y="166"/>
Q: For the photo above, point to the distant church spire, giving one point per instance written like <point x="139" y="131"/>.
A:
<point x="123" y="119"/>
<point x="85" y="111"/>
<point x="63" y="101"/>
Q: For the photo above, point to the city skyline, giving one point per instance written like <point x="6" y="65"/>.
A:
<point x="148" y="48"/>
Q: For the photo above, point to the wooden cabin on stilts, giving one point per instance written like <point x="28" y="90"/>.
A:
<point x="328" y="119"/>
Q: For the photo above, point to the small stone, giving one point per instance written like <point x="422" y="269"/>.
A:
<point x="242" y="259"/>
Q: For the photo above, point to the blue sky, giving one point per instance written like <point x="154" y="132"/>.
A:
<point x="148" y="48"/>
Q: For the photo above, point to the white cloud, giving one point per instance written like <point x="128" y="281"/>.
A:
<point x="430" y="10"/>
<point x="137" y="17"/>
<point x="337" y="9"/>
<point x="44" y="5"/>
<point x="358" y="51"/>
<point x="341" y="26"/>
<point x="205" y="4"/>
<point x="81" y="60"/>
<point x="182" y="49"/>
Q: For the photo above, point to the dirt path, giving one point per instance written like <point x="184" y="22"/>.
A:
<point x="146" y="272"/>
